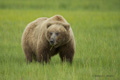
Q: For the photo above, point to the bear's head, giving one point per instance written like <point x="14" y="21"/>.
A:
<point x="58" y="34"/>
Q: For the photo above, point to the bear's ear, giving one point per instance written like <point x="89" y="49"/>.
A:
<point x="48" y="25"/>
<point x="66" y="26"/>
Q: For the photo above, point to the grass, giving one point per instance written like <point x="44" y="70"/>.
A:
<point x="97" y="35"/>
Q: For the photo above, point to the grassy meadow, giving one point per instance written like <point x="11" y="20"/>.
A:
<point x="96" y="27"/>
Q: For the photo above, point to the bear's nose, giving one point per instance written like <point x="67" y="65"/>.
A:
<point x="51" y="42"/>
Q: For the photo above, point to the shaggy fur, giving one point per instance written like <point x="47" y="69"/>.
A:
<point x="36" y="39"/>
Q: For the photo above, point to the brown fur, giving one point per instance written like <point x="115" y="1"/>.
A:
<point x="35" y="39"/>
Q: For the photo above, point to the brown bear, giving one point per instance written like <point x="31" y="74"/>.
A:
<point x="45" y="37"/>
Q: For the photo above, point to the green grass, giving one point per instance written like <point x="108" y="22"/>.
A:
<point x="97" y="35"/>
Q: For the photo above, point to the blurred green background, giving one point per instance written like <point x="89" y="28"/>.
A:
<point x="96" y="27"/>
<point x="102" y="5"/>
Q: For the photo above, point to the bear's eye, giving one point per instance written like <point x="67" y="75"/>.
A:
<point x="57" y="33"/>
<point x="50" y="33"/>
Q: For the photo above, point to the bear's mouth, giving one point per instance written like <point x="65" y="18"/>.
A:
<point x="53" y="46"/>
<point x="52" y="43"/>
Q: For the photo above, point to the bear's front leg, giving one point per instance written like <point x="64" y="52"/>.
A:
<point x="66" y="52"/>
<point x="28" y="53"/>
<point x="43" y="55"/>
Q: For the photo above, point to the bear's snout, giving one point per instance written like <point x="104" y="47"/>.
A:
<point x="52" y="41"/>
